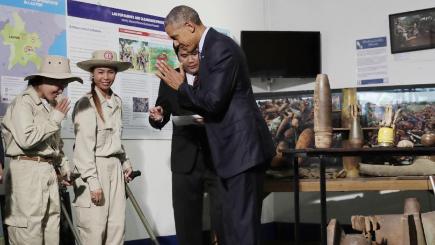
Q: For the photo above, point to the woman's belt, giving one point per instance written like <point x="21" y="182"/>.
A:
<point x="36" y="159"/>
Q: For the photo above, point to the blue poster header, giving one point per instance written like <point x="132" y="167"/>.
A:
<point x="376" y="42"/>
<point x="49" y="6"/>
<point x="116" y="16"/>
<point x="372" y="81"/>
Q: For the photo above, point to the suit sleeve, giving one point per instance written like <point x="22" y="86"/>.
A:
<point x="2" y="151"/>
<point x="163" y="101"/>
<point x="213" y="97"/>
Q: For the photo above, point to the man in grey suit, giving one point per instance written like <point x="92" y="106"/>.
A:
<point x="240" y="143"/>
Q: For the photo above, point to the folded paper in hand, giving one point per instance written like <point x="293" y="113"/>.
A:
<point x="186" y="120"/>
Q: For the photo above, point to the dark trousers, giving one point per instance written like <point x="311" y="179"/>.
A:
<point x="187" y="199"/>
<point x="241" y="207"/>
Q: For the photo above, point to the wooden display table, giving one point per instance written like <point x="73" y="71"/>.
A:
<point x="351" y="184"/>
<point x="345" y="184"/>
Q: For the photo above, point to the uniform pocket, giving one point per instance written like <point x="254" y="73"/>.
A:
<point x="16" y="221"/>
<point x="22" y="175"/>
<point x="103" y="134"/>
<point x="82" y="194"/>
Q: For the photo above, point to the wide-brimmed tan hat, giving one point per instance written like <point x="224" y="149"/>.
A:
<point x="104" y="58"/>
<point x="56" y="67"/>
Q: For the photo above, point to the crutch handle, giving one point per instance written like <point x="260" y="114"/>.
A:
<point x="135" y="174"/>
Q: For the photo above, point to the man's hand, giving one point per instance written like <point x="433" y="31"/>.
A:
<point x="199" y="121"/>
<point x="156" y="113"/>
<point x="169" y="75"/>
<point x="1" y="173"/>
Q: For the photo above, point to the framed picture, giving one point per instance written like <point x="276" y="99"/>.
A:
<point x="410" y="31"/>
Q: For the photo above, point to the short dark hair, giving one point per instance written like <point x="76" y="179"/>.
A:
<point x="176" y="49"/>
<point x="182" y="13"/>
<point x="35" y="81"/>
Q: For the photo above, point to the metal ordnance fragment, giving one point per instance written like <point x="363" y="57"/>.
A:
<point x="322" y="112"/>
<point x="356" y="137"/>
<point x="349" y="98"/>
<point x="409" y="228"/>
<point x="356" y="140"/>
<point x="421" y="166"/>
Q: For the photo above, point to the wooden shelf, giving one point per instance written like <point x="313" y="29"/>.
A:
<point x="347" y="129"/>
<point x="349" y="184"/>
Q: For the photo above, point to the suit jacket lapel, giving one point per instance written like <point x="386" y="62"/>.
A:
<point x="211" y="34"/>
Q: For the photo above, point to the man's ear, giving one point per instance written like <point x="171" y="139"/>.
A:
<point x="190" y="26"/>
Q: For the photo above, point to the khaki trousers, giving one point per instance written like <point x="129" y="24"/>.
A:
<point x="32" y="203"/>
<point x="98" y="225"/>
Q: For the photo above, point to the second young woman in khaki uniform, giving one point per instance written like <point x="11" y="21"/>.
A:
<point x="31" y="128"/>
<point x="99" y="155"/>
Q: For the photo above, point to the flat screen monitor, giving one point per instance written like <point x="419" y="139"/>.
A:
<point x="288" y="54"/>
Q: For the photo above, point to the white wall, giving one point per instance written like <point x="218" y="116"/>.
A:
<point x="341" y="23"/>
<point x="153" y="189"/>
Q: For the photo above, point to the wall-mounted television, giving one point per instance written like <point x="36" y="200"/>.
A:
<point x="288" y="54"/>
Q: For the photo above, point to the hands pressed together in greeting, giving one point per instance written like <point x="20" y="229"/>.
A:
<point x="169" y="75"/>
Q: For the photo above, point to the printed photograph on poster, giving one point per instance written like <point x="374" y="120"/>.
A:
<point x="140" y="104"/>
<point x="144" y="55"/>
<point x="162" y="52"/>
<point x="136" y="52"/>
<point x="410" y="31"/>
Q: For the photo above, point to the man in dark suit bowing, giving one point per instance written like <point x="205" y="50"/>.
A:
<point x="192" y="169"/>
<point x="240" y="143"/>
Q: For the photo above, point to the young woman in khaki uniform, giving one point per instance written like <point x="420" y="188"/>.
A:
<point x="99" y="155"/>
<point x="31" y="129"/>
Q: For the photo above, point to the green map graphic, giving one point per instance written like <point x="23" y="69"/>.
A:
<point x="22" y="44"/>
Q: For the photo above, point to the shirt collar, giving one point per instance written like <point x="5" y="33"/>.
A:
<point x="100" y="95"/>
<point x="201" y="41"/>
<point x="113" y="103"/>
<point x="190" y="78"/>
<point x="33" y="94"/>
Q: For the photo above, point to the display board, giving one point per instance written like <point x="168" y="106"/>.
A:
<point x="31" y="29"/>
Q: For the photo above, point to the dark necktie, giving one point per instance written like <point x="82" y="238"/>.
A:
<point x="196" y="81"/>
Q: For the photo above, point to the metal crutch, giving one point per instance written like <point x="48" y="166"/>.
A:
<point x="62" y="189"/>
<point x="139" y="212"/>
